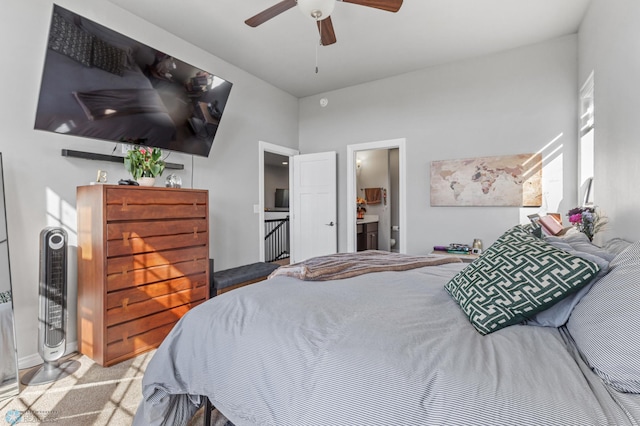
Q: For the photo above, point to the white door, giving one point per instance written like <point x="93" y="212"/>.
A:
<point x="314" y="209"/>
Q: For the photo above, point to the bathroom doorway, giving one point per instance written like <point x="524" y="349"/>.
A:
<point x="377" y="187"/>
<point x="376" y="173"/>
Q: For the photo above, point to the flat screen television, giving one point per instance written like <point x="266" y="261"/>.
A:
<point x="100" y="84"/>
<point x="282" y="198"/>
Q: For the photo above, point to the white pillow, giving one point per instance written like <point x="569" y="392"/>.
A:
<point x="579" y="241"/>
<point x="606" y="323"/>
<point x="616" y="245"/>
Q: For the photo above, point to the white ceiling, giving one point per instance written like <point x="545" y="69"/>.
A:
<point x="275" y="160"/>
<point x="372" y="44"/>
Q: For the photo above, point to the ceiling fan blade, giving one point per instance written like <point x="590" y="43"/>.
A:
<point x="388" y="5"/>
<point x="269" y="13"/>
<point x="327" y="34"/>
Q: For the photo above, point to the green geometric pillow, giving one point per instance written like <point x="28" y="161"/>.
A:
<point x="517" y="277"/>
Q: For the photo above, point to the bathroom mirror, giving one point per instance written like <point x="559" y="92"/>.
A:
<point x="8" y="356"/>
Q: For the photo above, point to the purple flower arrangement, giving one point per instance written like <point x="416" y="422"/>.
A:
<point x="587" y="220"/>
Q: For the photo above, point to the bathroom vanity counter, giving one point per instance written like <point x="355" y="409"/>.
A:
<point x="368" y="218"/>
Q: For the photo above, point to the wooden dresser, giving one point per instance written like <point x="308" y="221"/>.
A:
<point x="143" y="262"/>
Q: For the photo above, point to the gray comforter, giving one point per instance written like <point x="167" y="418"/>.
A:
<point x="390" y="348"/>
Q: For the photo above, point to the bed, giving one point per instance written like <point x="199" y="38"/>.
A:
<point x="90" y="73"/>
<point x="409" y="347"/>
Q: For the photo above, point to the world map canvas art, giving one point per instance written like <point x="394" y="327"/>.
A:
<point x="513" y="180"/>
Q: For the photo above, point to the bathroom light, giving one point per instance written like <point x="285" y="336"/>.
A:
<point x="316" y="9"/>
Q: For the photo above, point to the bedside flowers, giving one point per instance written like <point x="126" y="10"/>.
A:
<point x="587" y="220"/>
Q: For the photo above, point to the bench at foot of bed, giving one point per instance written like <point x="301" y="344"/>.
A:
<point x="230" y="279"/>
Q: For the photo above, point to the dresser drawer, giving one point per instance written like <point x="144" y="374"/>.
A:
<point x="128" y="348"/>
<point x="129" y="339"/>
<point x="126" y="313"/>
<point x="126" y="264"/>
<point x="137" y="212"/>
<point x="138" y="196"/>
<point x="136" y="294"/>
<point x="154" y="203"/>
<point x="123" y="332"/>
<point x="140" y="277"/>
<point x="136" y="245"/>
<point x="125" y="230"/>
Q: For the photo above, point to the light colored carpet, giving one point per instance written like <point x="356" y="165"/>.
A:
<point x="93" y="395"/>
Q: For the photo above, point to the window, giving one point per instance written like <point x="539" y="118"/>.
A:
<point x="586" y="148"/>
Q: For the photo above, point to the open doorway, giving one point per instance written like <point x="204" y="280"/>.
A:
<point x="273" y="208"/>
<point x="377" y="187"/>
<point x="277" y="240"/>
<point x="376" y="171"/>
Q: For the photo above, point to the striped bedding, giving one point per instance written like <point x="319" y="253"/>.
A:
<point x="388" y="348"/>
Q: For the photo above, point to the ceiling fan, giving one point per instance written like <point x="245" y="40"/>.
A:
<point x="319" y="11"/>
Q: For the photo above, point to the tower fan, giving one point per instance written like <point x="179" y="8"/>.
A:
<point x="53" y="310"/>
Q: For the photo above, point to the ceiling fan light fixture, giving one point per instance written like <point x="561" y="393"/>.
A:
<point x="316" y="9"/>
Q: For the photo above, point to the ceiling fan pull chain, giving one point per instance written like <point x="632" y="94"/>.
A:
<point x="318" y="46"/>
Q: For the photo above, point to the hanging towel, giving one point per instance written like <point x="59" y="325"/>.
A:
<point x="373" y="195"/>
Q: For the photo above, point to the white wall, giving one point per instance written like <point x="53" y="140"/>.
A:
<point x="609" y="41"/>
<point x="41" y="185"/>
<point x="515" y="102"/>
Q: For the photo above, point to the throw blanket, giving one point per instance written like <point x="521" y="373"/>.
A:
<point x="346" y="265"/>
<point x="111" y="103"/>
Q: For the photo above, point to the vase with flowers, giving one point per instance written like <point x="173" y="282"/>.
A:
<point x="144" y="164"/>
<point x="587" y="220"/>
<point x="360" y="207"/>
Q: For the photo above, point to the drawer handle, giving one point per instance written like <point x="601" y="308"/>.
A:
<point x="125" y="303"/>
<point x="195" y="232"/>
<point x="125" y="238"/>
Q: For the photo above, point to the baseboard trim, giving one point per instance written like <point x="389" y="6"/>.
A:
<point x="35" y="359"/>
